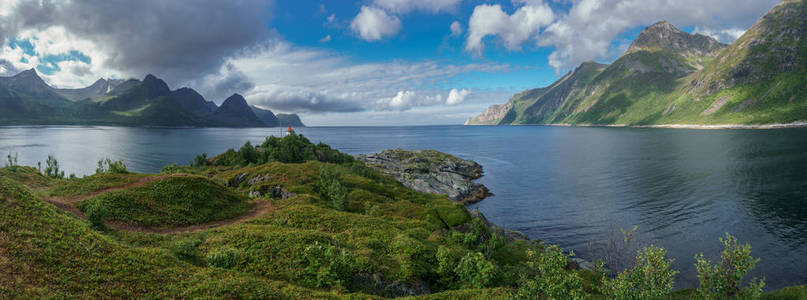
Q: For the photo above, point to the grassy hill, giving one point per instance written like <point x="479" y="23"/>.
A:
<point x="286" y="220"/>
<point x="671" y="77"/>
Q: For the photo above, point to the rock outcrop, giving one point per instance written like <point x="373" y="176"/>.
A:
<point x="431" y="171"/>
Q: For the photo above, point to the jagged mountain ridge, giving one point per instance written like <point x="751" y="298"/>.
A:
<point x="668" y="76"/>
<point x="27" y="99"/>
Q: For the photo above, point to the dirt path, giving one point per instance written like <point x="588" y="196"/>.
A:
<point x="70" y="204"/>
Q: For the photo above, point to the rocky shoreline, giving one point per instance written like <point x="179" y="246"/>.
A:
<point x="431" y="171"/>
<point x="436" y="172"/>
<point x="800" y="124"/>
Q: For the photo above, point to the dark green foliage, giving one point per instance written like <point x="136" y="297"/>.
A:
<point x="52" y="168"/>
<point x="11" y="163"/>
<point x="649" y="277"/>
<point x="173" y="201"/>
<point x="96" y="215"/>
<point x="293" y="148"/>
<point x="109" y="166"/>
<point x="226" y="258"/>
<point x="187" y="250"/>
<point x="326" y="266"/>
<point x="331" y="189"/>
<point x="475" y="271"/>
<point x="547" y="277"/>
<point x="200" y="161"/>
<point x="724" y="280"/>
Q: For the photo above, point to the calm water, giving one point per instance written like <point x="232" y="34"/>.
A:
<point x="571" y="186"/>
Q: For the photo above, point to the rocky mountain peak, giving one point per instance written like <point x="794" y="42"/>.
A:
<point x="156" y="87"/>
<point x="664" y="35"/>
<point x="28" y="76"/>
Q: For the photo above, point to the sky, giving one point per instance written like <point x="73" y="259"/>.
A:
<point x="341" y="62"/>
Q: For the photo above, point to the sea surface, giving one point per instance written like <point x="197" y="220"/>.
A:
<point x="577" y="187"/>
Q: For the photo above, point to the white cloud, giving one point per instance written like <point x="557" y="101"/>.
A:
<point x="331" y="18"/>
<point x="722" y="35"/>
<point x="373" y="24"/>
<point x="326" y="39"/>
<point x="406" y="6"/>
<point x="457" y="96"/>
<point x="405" y="100"/>
<point x="288" y="78"/>
<point x="589" y="29"/>
<point x="513" y="30"/>
<point x="456" y="28"/>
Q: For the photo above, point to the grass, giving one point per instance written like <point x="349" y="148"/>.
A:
<point x="301" y="248"/>
<point x="172" y="201"/>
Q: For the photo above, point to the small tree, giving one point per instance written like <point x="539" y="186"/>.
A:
<point x="649" y="277"/>
<point x="96" y="214"/>
<point x="724" y="281"/>
<point x="12" y="161"/>
<point x="200" y="161"/>
<point x="109" y="166"/>
<point x="331" y="189"/>
<point x="475" y="271"/>
<point x="548" y="277"/>
<point x="52" y="168"/>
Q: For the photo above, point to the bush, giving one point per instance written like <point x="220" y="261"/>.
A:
<point x="326" y="266"/>
<point x="109" y="166"/>
<point x="11" y="163"/>
<point x="724" y="281"/>
<point x="200" y="161"/>
<point x="548" y="277"/>
<point x="474" y="271"/>
<point x="96" y="214"/>
<point x="225" y="258"/>
<point x="649" y="277"/>
<point x="52" y="168"/>
<point x="331" y="189"/>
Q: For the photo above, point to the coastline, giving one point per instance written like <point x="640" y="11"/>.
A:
<point x="799" y="124"/>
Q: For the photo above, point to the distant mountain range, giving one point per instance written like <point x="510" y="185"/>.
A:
<point x="27" y="99"/>
<point x="668" y="76"/>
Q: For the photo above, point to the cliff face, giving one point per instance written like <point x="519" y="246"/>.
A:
<point x="668" y="76"/>
<point x="431" y="171"/>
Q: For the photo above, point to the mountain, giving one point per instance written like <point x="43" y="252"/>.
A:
<point x="235" y="112"/>
<point x="27" y="99"/>
<point x="291" y="120"/>
<point x="267" y="116"/>
<point x="668" y="76"/>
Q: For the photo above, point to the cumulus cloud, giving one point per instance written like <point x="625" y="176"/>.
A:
<point x="178" y="40"/>
<point x="325" y="39"/>
<point x="588" y="29"/>
<point x="289" y="78"/>
<point x="406" y="6"/>
<point x="722" y="35"/>
<point x="456" y="28"/>
<point x="373" y="24"/>
<point x="457" y="96"/>
<point x="513" y="30"/>
<point x="218" y="86"/>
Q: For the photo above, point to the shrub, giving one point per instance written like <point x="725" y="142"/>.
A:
<point x="96" y="214"/>
<point x="331" y="189"/>
<point x="326" y="266"/>
<point x="724" y="281"/>
<point x="171" y="169"/>
<point x="649" y="277"/>
<point x="474" y="271"/>
<point x="11" y="163"/>
<point x="52" y="168"/>
<point x="200" y="161"/>
<point x="225" y="258"/>
<point x="548" y="277"/>
<point x="109" y="166"/>
<point x="446" y="263"/>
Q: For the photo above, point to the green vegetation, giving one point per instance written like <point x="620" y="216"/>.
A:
<point x="724" y="280"/>
<point x="109" y="166"/>
<point x="378" y="239"/>
<point x="52" y="168"/>
<point x="167" y="202"/>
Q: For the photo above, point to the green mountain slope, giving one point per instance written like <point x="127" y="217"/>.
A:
<point x="27" y="99"/>
<point x="671" y="77"/>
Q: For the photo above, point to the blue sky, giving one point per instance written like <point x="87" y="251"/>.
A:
<point x="367" y="62"/>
